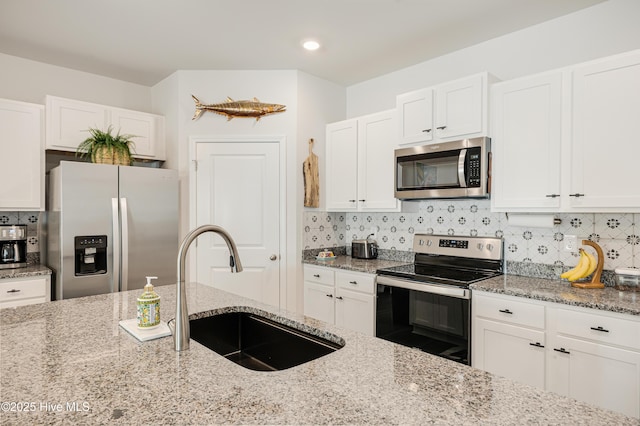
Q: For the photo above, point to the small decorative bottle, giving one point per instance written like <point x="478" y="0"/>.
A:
<point x="148" y="306"/>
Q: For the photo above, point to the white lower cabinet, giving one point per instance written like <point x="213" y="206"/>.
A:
<point x="24" y="291"/>
<point x="595" y="358"/>
<point x="587" y="354"/>
<point x="343" y="298"/>
<point x="507" y="335"/>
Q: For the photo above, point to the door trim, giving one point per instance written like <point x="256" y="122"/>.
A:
<point x="193" y="191"/>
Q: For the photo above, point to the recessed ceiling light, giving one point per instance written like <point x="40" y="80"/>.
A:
<point x="311" y="45"/>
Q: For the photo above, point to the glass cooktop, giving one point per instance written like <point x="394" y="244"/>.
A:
<point x="460" y="277"/>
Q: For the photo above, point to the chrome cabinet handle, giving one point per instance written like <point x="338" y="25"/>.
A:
<point x="505" y="311"/>
<point x="329" y="295"/>
<point x="441" y="127"/>
<point x="13" y="290"/>
<point x="353" y="282"/>
<point x="577" y="195"/>
<point x="339" y="297"/>
<point x="537" y="345"/>
<point x="362" y="201"/>
<point x="352" y="201"/>
<point x="562" y="350"/>
<point x="426" y="130"/>
<point x="599" y="328"/>
<point x="552" y="195"/>
<point x="316" y="275"/>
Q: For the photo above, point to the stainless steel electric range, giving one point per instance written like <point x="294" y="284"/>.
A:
<point x="426" y="304"/>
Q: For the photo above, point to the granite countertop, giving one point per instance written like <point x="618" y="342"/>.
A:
<point x="27" y="271"/>
<point x="559" y="291"/>
<point x="69" y="362"/>
<point x="369" y="266"/>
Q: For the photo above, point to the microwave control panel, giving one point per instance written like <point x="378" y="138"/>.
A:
<point x="473" y="167"/>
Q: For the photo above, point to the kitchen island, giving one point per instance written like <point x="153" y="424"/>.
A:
<point x="69" y="362"/>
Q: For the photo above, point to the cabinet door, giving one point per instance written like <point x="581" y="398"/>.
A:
<point x="21" y="143"/>
<point x="510" y="351"/>
<point x="355" y="311"/>
<point x="68" y="122"/>
<point x="376" y="165"/>
<point x="24" y="291"/>
<point x="318" y="301"/>
<point x="415" y="116"/>
<point x="604" y="146"/>
<point x="602" y="375"/>
<point x="342" y="165"/>
<point x="459" y="108"/>
<point x="526" y="136"/>
<point x="142" y="126"/>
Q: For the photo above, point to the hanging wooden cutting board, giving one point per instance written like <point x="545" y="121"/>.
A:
<point x="311" y="179"/>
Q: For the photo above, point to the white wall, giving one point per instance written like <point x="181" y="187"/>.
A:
<point x="319" y="102"/>
<point x="30" y="81"/>
<point x="601" y="30"/>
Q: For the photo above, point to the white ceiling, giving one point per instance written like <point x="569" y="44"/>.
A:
<point x="144" y="41"/>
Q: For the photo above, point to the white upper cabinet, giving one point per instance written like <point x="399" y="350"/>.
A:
<point x="604" y="148"/>
<point x="360" y="163"/>
<point x="147" y="131"/>
<point x="22" y="145"/>
<point x="566" y="141"/>
<point x="453" y="110"/>
<point x="376" y="165"/>
<point x="415" y="116"/>
<point x="526" y="135"/>
<point x="342" y="165"/>
<point x="68" y="122"/>
<point x="461" y="108"/>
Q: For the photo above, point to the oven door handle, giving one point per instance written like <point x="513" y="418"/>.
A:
<point x="444" y="290"/>
<point x="462" y="160"/>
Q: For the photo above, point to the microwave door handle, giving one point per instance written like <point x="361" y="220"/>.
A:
<point x="462" y="159"/>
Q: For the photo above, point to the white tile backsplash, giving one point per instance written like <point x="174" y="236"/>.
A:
<point x="31" y="219"/>
<point x="616" y="233"/>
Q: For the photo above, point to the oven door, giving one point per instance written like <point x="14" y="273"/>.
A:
<point x="431" y="317"/>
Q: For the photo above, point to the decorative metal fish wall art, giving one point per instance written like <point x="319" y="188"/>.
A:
<point x="244" y="108"/>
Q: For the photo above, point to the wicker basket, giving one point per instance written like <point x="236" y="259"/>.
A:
<point x="107" y="155"/>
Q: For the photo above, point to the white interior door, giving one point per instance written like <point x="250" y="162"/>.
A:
<point x="238" y="188"/>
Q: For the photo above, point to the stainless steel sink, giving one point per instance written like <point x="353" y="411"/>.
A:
<point x="259" y="343"/>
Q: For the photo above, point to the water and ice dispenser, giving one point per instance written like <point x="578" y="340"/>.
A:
<point x="90" y="255"/>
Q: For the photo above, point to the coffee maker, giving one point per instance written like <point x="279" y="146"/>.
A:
<point x="13" y="246"/>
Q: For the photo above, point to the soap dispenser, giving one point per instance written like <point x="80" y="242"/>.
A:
<point x="148" y="306"/>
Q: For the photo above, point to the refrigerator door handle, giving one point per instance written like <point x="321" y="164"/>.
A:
<point x="115" y="222"/>
<point x="124" y="236"/>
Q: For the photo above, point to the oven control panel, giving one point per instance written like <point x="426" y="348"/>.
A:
<point x="461" y="244"/>
<point x="471" y="247"/>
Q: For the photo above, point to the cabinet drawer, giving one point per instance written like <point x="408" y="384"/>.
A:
<point x="319" y="275"/>
<point x="12" y="290"/>
<point x="599" y="327"/>
<point x="364" y="283"/>
<point x="508" y="309"/>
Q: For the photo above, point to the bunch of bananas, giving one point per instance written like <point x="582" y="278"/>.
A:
<point x="585" y="267"/>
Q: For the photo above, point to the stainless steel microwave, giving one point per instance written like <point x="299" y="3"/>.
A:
<point x="459" y="169"/>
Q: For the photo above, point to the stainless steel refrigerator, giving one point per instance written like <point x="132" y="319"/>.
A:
<point x="110" y="226"/>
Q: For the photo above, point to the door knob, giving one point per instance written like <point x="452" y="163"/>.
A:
<point x="273" y="257"/>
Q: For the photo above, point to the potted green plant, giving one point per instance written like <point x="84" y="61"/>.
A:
<point x="105" y="148"/>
